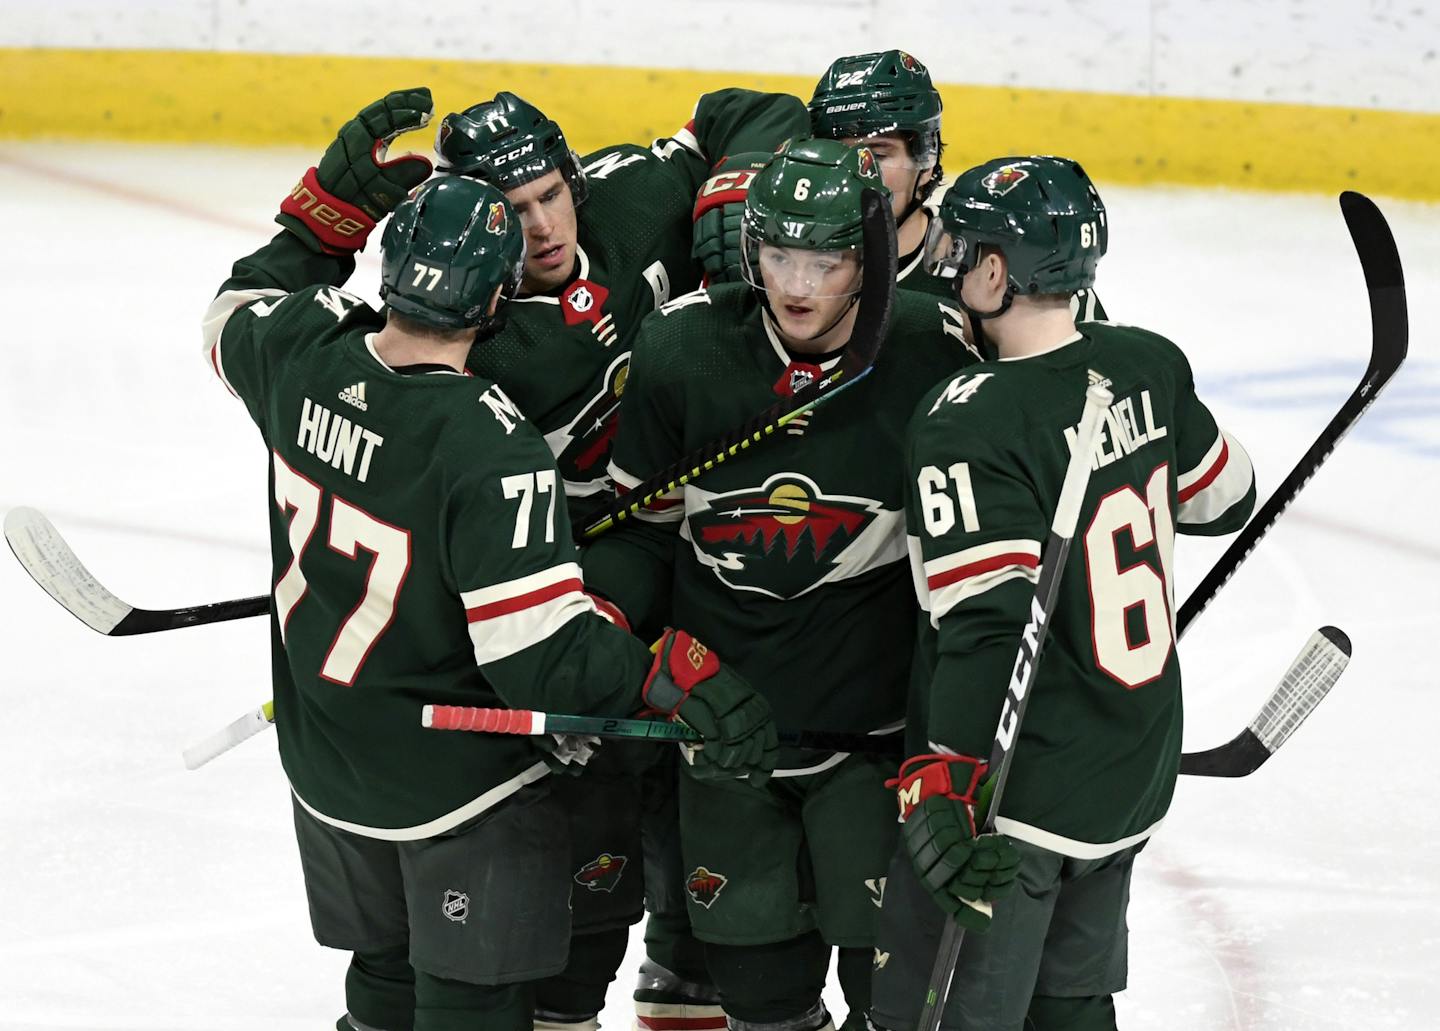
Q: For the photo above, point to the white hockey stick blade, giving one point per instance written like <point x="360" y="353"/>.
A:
<point x="222" y="741"/>
<point x="1306" y="683"/>
<point x="49" y="560"/>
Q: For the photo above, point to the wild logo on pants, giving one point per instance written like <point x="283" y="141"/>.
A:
<point x="704" y="886"/>
<point x="602" y="873"/>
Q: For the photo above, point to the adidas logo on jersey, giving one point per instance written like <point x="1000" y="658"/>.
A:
<point x="1097" y="380"/>
<point x="355" y="395"/>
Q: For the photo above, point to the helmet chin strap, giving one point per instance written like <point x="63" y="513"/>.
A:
<point x="979" y="318"/>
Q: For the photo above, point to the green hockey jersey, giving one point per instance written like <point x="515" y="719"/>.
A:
<point x="421" y="554"/>
<point x="1098" y="752"/>
<point x="563" y="356"/>
<point x="788" y="559"/>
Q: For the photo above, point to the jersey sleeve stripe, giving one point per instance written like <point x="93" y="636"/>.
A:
<point x="943" y="599"/>
<point x="524" y="601"/>
<point x="503" y="626"/>
<point x="949" y="569"/>
<point x="1226" y="482"/>
<point x="1204" y="474"/>
<point x="532" y="583"/>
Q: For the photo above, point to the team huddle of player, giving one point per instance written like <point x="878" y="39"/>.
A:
<point x="558" y="329"/>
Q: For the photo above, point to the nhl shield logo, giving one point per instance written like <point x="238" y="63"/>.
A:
<point x="581" y="299"/>
<point x="496" y="221"/>
<point x="704" y="886"/>
<point x="1003" y="180"/>
<point x="602" y="873"/>
<point x="455" y="906"/>
<point x="583" y="302"/>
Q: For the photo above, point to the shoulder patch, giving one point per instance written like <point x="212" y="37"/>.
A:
<point x="506" y="412"/>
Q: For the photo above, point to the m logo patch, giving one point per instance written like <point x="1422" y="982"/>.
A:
<point x="455" y="906"/>
<point x="704" y="886"/>
<point x="602" y="873"/>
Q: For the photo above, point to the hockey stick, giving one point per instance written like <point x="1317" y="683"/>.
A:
<point x="528" y="721"/>
<point x="872" y="323"/>
<point x="51" y="563"/>
<point x="1389" y="341"/>
<point x="1027" y="663"/>
<point x="228" y="737"/>
<point x="1304" y="686"/>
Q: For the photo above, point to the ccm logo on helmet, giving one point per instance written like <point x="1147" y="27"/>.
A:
<point x="509" y="156"/>
<point x="323" y="213"/>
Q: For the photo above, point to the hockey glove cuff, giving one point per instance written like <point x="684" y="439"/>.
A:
<point x="963" y="872"/>
<point x="336" y="204"/>
<point x="687" y="682"/>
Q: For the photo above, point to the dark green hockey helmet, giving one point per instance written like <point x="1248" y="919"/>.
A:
<point x="871" y="94"/>
<point x="508" y="142"/>
<point x="1043" y="213"/>
<point x="807" y="197"/>
<point x="445" y="250"/>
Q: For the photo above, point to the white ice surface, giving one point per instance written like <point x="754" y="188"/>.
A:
<point x="136" y="895"/>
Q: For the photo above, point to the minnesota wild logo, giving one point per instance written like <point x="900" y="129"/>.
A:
<point x="602" y="873"/>
<point x="585" y="447"/>
<point x="782" y="538"/>
<point x="704" y="886"/>
<point x="1003" y="180"/>
<point x="496" y="220"/>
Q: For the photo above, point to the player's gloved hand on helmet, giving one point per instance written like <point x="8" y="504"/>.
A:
<point x="719" y="207"/>
<point x="939" y="796"/>
<point x="687" y="682"/>
<point x="337" y="203"/>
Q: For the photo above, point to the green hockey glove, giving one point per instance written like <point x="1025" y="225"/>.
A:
<point x="719" y="206"/>
<point x="336" y="204"/>
<point x="963" y="872"/>
<point x="687" y="682"/>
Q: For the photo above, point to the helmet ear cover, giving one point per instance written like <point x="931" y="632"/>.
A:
<point x="445" y="252"/>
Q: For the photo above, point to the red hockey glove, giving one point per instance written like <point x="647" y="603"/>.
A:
<point x="719" y="206"/>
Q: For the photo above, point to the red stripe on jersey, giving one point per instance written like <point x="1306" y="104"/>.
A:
<point x="985" y="565"/>
<point x="506" y="606"/>
<point x="1209" y="477"/>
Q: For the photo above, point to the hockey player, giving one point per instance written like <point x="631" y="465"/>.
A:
<point x="609" y="238"/>
<point x="886" y="101"/>
<point x="793" y="554"/>
<point x="420" y="557"/>
<point x="609" y="241"/>
<point x="1098" y="752"/>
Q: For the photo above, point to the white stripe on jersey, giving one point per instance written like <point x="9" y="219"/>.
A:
<point x="511" y="616"/>
<point x="1221" y="479"/>
<point x="951" y="579"/>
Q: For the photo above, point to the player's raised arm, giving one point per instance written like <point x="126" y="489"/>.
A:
<point x="327" y="218"/>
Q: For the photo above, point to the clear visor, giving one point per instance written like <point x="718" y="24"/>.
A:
<point x="799" y="273"/>
<point x="944" y="252"/>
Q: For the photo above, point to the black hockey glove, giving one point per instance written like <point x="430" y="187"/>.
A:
<point x="336" y="204"/>
<point x="962" y="872"/>
<point x="688" y="683"/>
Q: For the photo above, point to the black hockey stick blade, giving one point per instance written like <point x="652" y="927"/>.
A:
<point x="1306" y="683"/>
<point x="48" y="559"/>
<point x="1389" y="342"/>
<point x="872" y="324"/>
